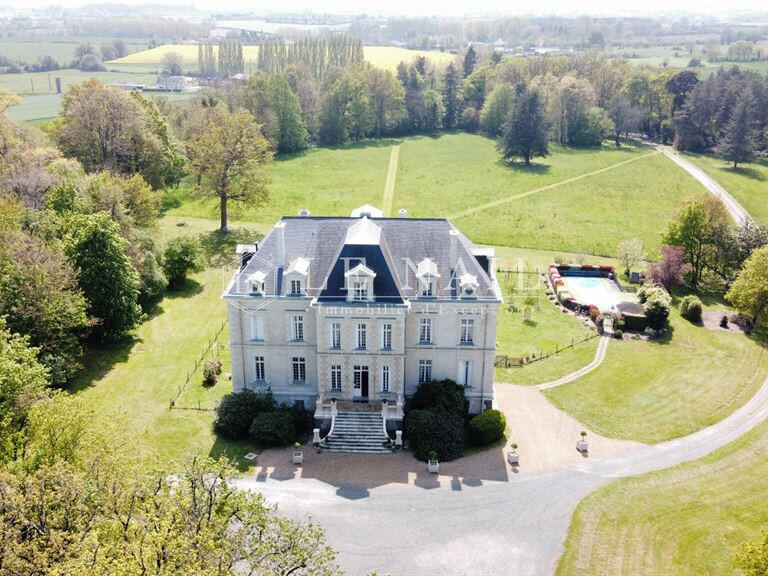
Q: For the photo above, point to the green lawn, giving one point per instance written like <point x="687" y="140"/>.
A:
<point x="591" y="215"/>
<point x="688" y="520"/>
<point x="748" y="183"/>
<point x="654" y="391"/>
<point x="62" y="48"/>
<point x="446" y="176"/>
<point x="139" y="377"/>
<point x="328" y="181"/>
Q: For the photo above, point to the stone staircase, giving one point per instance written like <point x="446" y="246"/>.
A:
<point x="357" y="432"/>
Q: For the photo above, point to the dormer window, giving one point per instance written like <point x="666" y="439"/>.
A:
<point x="360" y="284"/>
<point x="468" y="285"/>
<point x="426" y="274"/>
<point x="257" y="283"/>
<point x="297" y="276"/>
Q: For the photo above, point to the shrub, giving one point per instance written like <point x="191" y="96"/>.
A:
<point x="444" y="394"/>
<point x="236" y="412"/>
<point x="435" y="429"/>
<point x="273" y="429"/>
<point x="487" y="427"/>
<point x="724" y="321"/>
<point x="656" y="311"/>
<point x="181" y="256"/>
<point x="618" y="334"/>
<point x="211" y="371"/>
<point x="303" y="420"/>
<point x="691" y="308"/>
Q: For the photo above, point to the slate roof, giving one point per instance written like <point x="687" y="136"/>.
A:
<point x="332" y="249"/>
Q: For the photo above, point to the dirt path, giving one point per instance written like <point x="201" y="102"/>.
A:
<point x="736" y="210"/>
<point x="599" y="357"/>
<point x="508" y="199"/>
<point x="389" y="186"/>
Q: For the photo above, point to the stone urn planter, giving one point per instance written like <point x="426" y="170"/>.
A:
<point x="433" y="466"/>
<point x="298" y="455"/>
<point x="582" y="445"/>
<point x="513" y="457"/>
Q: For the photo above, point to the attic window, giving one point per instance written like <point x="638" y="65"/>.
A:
<point x="468" y="285"/>
<point x="256" y="283"/>
<point x="427" y="275"/>
<point x="296" y="288"/>
<point x="360" y="284"/>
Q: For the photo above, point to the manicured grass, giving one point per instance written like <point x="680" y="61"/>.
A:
<point x="591" y="215"/>
<point x="688" y="520"/>
<point x="550" y="368"/>
<point x="328" y="181"/>
<point x="381" y="56"/>
<point x="140" y="376"/>
<point x="654" y="391"/>
<point x="748" y="183"/>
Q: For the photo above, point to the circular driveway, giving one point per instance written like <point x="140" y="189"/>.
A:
<point x="386" y="513"/>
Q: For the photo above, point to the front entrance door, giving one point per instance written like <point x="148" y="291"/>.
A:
<point x="360" y="383"/>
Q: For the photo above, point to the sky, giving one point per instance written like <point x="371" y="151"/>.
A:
<point x="455" y="8"/>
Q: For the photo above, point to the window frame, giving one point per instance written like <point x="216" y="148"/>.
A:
<point x="362" y="336"/>
<point x="385" y="378"/>
<point x="467" y="331"/>
<point x="297" y="328"/>
<point x="335" y="332"/>
<point x="336" y="378"/>
<point x="425" y="330"/>
<point x="257" y="327"/>
<point x="386" y="336"/>
<point x="260" y="366"/>
<point x="425" y="371"/>
<point x="296" y="289"/>
<point x="299" y="364"/>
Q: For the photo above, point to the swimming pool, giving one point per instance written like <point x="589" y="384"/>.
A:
<point x="603" y="293"/>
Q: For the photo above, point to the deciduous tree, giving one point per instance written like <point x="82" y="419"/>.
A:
<point x="232" y="158"/>
<point x="749" y="293"/>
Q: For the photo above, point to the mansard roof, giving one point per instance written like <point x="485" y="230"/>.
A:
<point x="395" y="249"/>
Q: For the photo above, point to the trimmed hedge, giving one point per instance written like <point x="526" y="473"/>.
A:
<point x="435" y="429"/>
<point x="444" y="394"/>
<point x="691" y="308"/>
<point x="236" y="412"/>
<point x="487" y="427"/>
<point x="273" y="429"/>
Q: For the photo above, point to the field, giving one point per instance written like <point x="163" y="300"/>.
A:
<point x="687" y="520"/>
<point x="139" y="377"/>
<point x="748" y="183"/>
<point x="382" y="56"/>
<point x="62" y="48"/>
<point x="654" y="391"/>
<point x="669" y="56"/>
<point x="550" y="205"/>
<point x="37" y="89"/>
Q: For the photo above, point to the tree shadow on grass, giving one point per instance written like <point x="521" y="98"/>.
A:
<point x="100" y="359"/>
<point x="750" y="173"/>
<point x="233" y="451"/>
<point x="219" y="249"/>
<point x="532" y="168"/>
<point x="191" y="287"/>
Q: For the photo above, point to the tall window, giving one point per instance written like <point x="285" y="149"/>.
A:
<point x="427" y="288"/>
<point x="336" y="378"/>
<point x="386" y="336"/>
<point x="467" y="331"/>
<point x="298" y="328"/>
<point x="385" y="378"/>
<point x="357" y="376"/>
<point x="361" y="336"/>
<point x="259" y="368"/>
<point x="425" y="371"/>
<point x="299" y="369"/>
<point x="295" y="287"/>
<point x="257" y="327"/>
<point x="425" y="330"/>
<point x="465" y="373"/>
<point x="336" y="335"/>
<point x="358" y="290"/>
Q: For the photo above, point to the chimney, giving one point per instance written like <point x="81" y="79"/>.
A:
<point x="403" y="213"/>
<point x="453" y="235"/>
<point x="304" y="213"/>
<point x="280" y="232"/>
